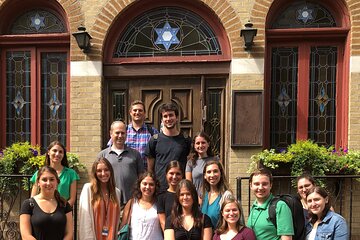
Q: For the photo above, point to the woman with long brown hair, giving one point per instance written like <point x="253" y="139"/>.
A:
<point x="142" y="209"/>
<point x="201" y="152"/>
<point x="46" y="215"/>
<point x="215" y="188"/>
<point x="99" y="208"/>
<point x="56" y="158"/>
<point x="166" y="199"/>
<point x="186" y="220"/>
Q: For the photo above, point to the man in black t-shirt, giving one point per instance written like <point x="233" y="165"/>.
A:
<point x="168" y="145"/>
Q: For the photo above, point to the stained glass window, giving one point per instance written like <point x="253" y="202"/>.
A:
<point x="283" y="113"/>
<point x="118" y="105"/>
<point x="53" y="97"/>
<point x="322" y="107"/>
<point x="37" y="21"/>
<point x="213" y="117"/>
<point x="303" y="14"/>
<point x="18" y="96"/>
<point x="167" y="31"/>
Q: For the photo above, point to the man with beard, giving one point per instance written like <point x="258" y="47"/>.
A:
<point x="126" y="162"/>
<point x="168" y="145"/>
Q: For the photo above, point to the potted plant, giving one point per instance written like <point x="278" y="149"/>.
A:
<point x="307" y="156"/>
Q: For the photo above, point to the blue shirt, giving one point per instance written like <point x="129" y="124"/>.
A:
<point x="332" y="227"/>
<point x="212" y="210"/>
<point x="138" y="139"/>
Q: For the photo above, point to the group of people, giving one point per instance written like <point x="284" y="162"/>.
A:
<point x="321" y="221"/>
<point x="162" y="185"/>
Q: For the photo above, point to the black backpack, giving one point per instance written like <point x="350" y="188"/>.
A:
<point x="296" y="210"/>
<point x="150" y="129"/>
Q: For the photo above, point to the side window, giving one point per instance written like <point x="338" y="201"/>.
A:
<point x="304" y="78"/>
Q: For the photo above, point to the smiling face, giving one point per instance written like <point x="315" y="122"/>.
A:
<point x="47" y="182"/>
<point x="231" y="213"/>
<point x="169" y="119"/>
<point x="137" y="113"/>
<point x="316" y="203"/>
<point x="185" y="198"/>
<point x="118" y="134"/>
<point x="261" y="186"/>
<point x="201" y="146"/>
<point x="173" y="176"/>
<point x="303" y="187"/>
<point x="147" y="187"/>
<point x="102" y="172"/>
<point x="56" y="154"/>
<point x="212" y="174"/>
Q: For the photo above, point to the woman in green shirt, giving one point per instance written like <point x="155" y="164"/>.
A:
<point x="56" y="158"/>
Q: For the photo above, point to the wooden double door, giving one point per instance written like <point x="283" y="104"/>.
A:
<point x="200" y="101"/>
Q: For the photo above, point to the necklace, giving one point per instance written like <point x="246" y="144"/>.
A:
<point x="45" y="198"/>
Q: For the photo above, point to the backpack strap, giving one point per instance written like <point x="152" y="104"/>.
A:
<point x="272" y="210"/>
<point x="150" y="129"/>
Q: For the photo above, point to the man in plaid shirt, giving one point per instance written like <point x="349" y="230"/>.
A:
<point x="139" y="133"/>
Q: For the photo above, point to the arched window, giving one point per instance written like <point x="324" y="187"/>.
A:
<point x="305" y="80"/>
<point x="167" y="31"/>
<point x="36" y="79"/>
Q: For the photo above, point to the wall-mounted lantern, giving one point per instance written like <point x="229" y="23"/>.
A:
<point x="248" y="34"/>
<point x="83" y="39"/>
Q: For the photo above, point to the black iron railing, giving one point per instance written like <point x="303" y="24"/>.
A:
<point x="346" y="201"/>
<point x="12" y="195"/>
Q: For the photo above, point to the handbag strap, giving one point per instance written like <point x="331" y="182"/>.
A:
<point x="130" y="211"/>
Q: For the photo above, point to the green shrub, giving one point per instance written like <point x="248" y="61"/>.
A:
<point x="24" y="158"/>
<point x="307" y="156"/>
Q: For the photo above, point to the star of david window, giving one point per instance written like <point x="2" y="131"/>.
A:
<point x="167" y="31"/>
<point x="304" y="77"/>
<point x="37" y="21"/>
<point x="304" y="14"/>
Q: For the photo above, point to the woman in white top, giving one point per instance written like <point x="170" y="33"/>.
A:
<point x="144" y="223"/>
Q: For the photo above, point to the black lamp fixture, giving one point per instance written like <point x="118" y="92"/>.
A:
<point x="83" y="39"/>
<point x="248" y="33"/>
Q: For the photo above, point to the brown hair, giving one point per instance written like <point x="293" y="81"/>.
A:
<point x="323" y="193"/>
<point x="193" y="156"/>
<point x="306" y="176"/>
<point x="64" y="161"/>
<point x="261" y="171"/>
<point x="222" y="184"/>
<point x="95" y="183"/>
<point x="166" y="107"/>
<point x="137" y="191"/>
<point x="176" y="213"/>
<point x="137" y="102"/>
<point x="222" y="224"/>
<point x="61" y="201"/>
<point x="173" y="164"/>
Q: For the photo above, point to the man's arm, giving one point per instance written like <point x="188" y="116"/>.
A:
<point x="150" y="163"/>
<point x="286" y="237"/>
